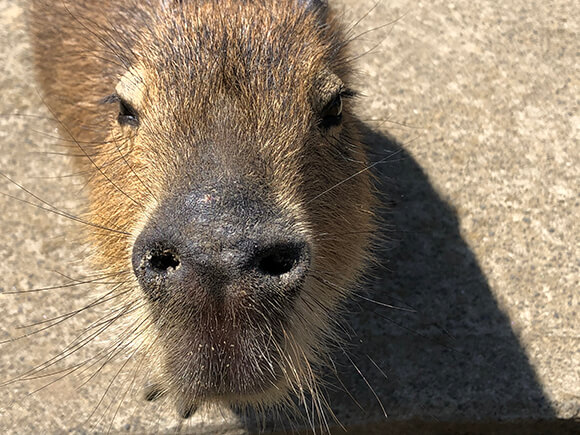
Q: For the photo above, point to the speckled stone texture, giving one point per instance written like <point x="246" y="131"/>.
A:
<point x="474" y="108"/>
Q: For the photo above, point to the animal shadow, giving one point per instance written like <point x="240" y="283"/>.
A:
<point x="427" y="346"/>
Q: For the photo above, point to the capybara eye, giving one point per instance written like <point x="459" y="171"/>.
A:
<point x="332" y="113"/>
<point x="127" y="114"/>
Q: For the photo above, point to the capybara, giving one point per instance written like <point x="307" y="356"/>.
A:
<point x="229" y="196"/>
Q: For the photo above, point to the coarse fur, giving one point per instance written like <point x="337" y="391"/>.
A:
<point x="229" y="97"/>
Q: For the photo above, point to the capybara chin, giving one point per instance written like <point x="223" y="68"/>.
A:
<point x="228" y="191"/>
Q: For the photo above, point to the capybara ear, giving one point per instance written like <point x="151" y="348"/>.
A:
<point x="317" y="6"/>
<point x="314" y="4"/>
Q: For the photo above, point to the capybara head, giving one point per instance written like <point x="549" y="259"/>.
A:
<point x="228" y="188"/>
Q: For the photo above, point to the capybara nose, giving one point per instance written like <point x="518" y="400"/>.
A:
<point x="171" y="263"/>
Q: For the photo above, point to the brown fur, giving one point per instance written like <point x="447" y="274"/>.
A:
<point x="251" y="77"/>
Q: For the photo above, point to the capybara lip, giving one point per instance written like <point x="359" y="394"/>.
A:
<point x="227" y="183"/>
<point x="226" y="364"/>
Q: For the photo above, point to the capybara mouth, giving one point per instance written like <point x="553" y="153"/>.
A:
<point x="224" y="365"/>
<point x="227" y="349"/>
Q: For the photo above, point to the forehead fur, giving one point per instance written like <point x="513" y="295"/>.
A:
<point x="240" y="47"/>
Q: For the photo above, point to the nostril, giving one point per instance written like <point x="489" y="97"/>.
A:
<point x="157" y="264"/>
<point x="279" y="259"/>
<point x="161" y="260"/>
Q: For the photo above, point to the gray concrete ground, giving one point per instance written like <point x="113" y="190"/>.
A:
<point x="480" y="102"/>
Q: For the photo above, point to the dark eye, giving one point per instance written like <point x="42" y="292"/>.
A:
<point x="331" y="115"/>
<point x="127" y="114"/>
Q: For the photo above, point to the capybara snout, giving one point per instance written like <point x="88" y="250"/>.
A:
<point x="215" y="247"/>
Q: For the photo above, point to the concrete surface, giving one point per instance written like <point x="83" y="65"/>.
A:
<point x="480" y="101"/>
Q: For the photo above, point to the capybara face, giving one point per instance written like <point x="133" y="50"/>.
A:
<point x="229" y="192"/>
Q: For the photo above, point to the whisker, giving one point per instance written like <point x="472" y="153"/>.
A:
<point x="394" y="307"/>
<point x="104" y="275"/>
<point x="398" y="123"/>
<point x="368" y="384"/>
<point x="378" y="367"/>
<point x="72" y="348"/>
<point x="62" y="286"/>
<point x="57" y="320"/>
<point x="375" y="29"/>
<point x="119" y="348"/>
<point x="383" y="160"/>
<point x="134" y="173"/>
<point x="52" y="209"/>
<point x="363" y="17"/>
<point x="87" y="155"/>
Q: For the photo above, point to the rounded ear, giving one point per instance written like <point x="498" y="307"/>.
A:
<point x="315" y="5"/>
